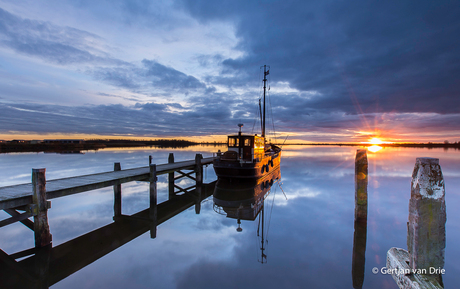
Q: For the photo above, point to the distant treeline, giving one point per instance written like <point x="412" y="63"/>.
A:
<point x="13" y="147"/>
<point x="446" y="144"/>
<point x="173" y="143"/>
<point x="163" y="143"/>
<point x="94" y="144"/>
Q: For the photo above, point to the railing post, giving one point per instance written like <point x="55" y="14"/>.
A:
<point x="153" y="201"/>
<point x="117" y="194"/>
<point x="171" y="177"/>
<point x="199" y="181"/>
<point x="41" y="228"/>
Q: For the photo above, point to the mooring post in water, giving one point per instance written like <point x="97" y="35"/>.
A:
<point x="426" y="230"/>
<point x="171" y="177"/>
<point x="150" y="160"/>
<point x="360" y="234"/>
<point x="153" y="201"/>
<point x="199" y="181"/>
<point x="117" y="194"/>
<point x="40" y="209"/>
<point x="361" y="182"/>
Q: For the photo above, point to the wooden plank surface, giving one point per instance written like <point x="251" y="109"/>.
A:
<point x="19" y="195"/>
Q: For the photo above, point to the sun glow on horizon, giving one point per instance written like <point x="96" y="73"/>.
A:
<point x="376" y="141"/>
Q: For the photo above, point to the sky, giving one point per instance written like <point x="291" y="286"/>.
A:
<point x="340" y="71"/>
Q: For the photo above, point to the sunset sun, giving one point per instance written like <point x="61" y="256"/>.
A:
<point x="375" y="141"/>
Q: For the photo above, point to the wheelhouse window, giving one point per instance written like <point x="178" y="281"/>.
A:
<point x="233" y="142"/>
<point x="248" y="142"/>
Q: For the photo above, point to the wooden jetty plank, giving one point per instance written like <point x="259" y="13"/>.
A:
<point x="19" y="195"/>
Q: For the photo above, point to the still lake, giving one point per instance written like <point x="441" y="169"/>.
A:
<point x="309" y="241"/>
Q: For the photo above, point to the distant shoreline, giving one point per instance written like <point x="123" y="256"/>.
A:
<point x="409" y="145"/>
<point x="18" y="147"/>
<point x="21" y="147"/>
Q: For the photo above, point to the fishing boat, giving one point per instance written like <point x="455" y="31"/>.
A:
<point x="248" y="156"/>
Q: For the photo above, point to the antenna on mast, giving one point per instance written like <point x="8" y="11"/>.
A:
<point x="240" y="125"/>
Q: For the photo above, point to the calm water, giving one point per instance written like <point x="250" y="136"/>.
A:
<point x="310" y="236"/>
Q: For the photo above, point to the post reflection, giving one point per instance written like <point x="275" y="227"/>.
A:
<point x="244" y="200"/>
<point x="360" y="234"/>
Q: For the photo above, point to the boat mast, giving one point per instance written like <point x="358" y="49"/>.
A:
<point x="265" y="86"/>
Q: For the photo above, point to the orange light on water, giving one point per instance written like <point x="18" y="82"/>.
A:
<point x="374" y="148"/>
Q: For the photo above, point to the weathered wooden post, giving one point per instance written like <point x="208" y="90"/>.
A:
<point x="171" y="177"/>
<point x="199" y="181"/>
<point x="426" y="229"/>
<point x="361" y="182"/>
<point x="422" y="265"/>
<point x="40" y="211"/>
<point x="117" y="194"/>
<point x="153" y="201"/>
<point x="360" y="234"/>
<point x="150" y="160"/>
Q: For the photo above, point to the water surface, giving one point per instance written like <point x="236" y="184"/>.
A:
<point x="310" y="236"/>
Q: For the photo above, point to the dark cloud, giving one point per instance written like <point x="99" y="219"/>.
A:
<point x="65" y="45"/>
<point x="159" y="75"/>
<point x="173" y="119"/>
<point x="149" y="119"/>
<point x="151" y="74"/>
<point x="398" y="56"/>
<point x="62" y="45"/>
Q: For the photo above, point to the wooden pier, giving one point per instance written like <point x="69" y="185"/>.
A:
<point x="45" y="265"/>
<point x="49" y="265"/>
<point x="32" y="200"/>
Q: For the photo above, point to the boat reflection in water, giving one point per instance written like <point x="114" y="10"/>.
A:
<point x="244" y="200"/>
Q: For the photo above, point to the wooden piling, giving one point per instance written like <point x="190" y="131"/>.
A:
<point x="199" y="181"/>
<point x="153" y="201"/>
<point x="40" y="209"/>
<point x="426" y="230"/>
<point x="361" y="182"/>
<point x="117" y="194"/>
<point x="360" y="226"/>
<point x="150" y="160"/>
<point x="171" y="177"/>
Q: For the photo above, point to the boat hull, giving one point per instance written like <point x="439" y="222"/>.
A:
<point x="236" y="170"/>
